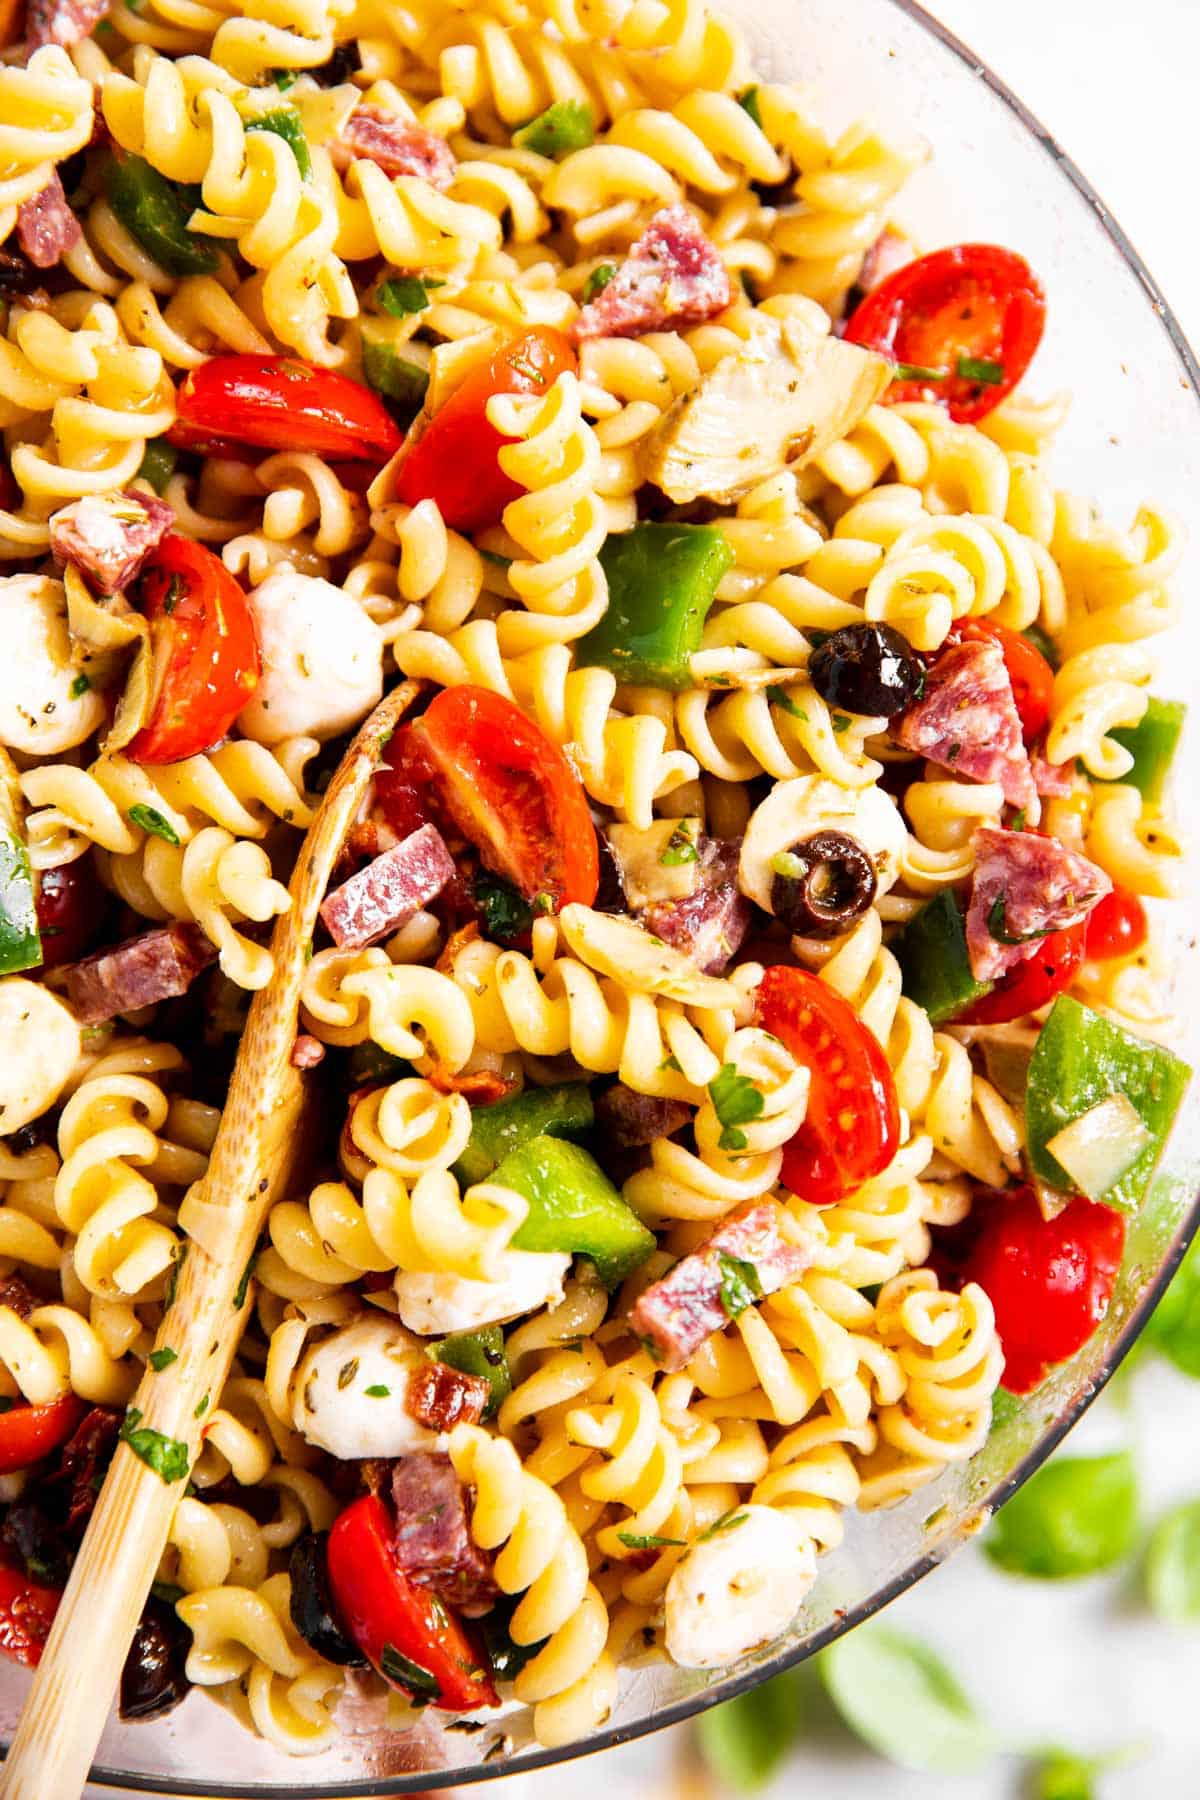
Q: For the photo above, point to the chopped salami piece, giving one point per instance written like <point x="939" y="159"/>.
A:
<point x="156" y="965"/>
<point x="1053" y="781"/>
<point x="18" y="1296"/>
<point x="109" y="536"/>
<point x="433" y="1537"/>
<point x="384" y="895"/>
<point x="629" y="1119"/>
<point x="967" y="721"/>
<point x="307" y="1052"/>
<point x="396" y="144"/>
<point x="673" y="276"/>
<point x="482" y="1087"/>
<point x="46" y="226"/>
<point x="675" y="1315"/>
<point x="1025" y="887"/>
<point x="439" y="1397"/>
<point x="64" y="22"/>
<point x="711" y="923"/>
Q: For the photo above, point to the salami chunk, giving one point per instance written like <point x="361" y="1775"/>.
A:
<point x="1025" y="887"/>
<point x="46" y="226"/>
<point x="675" y="1315"/>
<point x="156" y="965"/>
<point x="397" y="145"/>
<point x="711" y="922"/>
<point x="890" y="251"/>
<point x="967" y="721"/>
<point x="1053" y="781"/>
<point x="384" y="895"/>
<point x="433" y="1538"/>
<point x="440" y="1397"/>
<point x="307" y="1052"/>
<point x="629" y="1120"/>
<point x="109" y="536"/>
<point x="64" y="22"/>
<point x="673" y="276"/>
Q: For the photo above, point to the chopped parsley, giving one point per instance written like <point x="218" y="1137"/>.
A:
<point x="680" y="849"/>
<point x="998" y="928"/>
<point x="736" y="1101"/>
<point x="201" y="1407"/>
<point x="505" y="914"/>
<point x="726" y="1522"/>
<point x="148" y="818"/>
<point x="402" y="295"/>
<point x="740" y="1286"/>
<point x="166" y="1456"/>
<point x="162" y="1359"/>
<point x="173" y="595"/>
<point x="243" y="1286"/>
<point x="167" y="1591"/>
<point x="840" y="721"/>
<point x="1019" y="821"/>
<point x="598" y="280"/>
<point x="632" y="1541"/>
<point x="779" y="696"/>
<point x="403" y="1672"/>
<point x="980" y="369"/>
<point x="378" y="1391"/>
<point x="284" y="121"/>
<point x="284" y="79"/>
<point x="916" y="372"/>
<point x="173" y="1277"/>
<point x="80" y="686"/>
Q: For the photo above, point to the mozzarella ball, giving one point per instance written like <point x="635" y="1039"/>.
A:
<point x="322" y="660"/>
<point x="797" y="809"/>
<point x="333" y="1405"/>
<point x="737" y="1589"/>
<point x="41" y="1041"/>
<point x="436" y="1304"/>
<point x="38" y="712"/>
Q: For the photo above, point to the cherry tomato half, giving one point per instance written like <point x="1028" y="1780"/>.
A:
<point x="1049" y="1280"/>
<point x="852" y="1126"/>
<point x="27" y="1433"/>
<point x="1030" y="675"/>
<point x="281" y="403"/>
<point x="1116" y="926"/>
<point x="27" y="1610"/>
<point x="414" y="1641"/>
<point x="1033" y="983"/>
<point x="71" y="909"/>
<point x="206" y="660"/>
<point x="970" y="318"/>
<point x="451" y="456"/>
<point x="509" y="790"/>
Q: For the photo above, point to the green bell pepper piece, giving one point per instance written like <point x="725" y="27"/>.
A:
<point x="1152" y="743"/>
<point x="397" y="375"/>
<point x="573" y="1206"/>
<point x="20" y="939"/>
<point x="402" y="295"/>
<point x="158" y="463"/>
<point x="1043" y="643"/>
<point x="932" y="953"/>
<point x="1079" y="1060"/>
<point x="534" y="1112"/>
<point x="662" y="579"/>
<point x="479" y="1353"/>
<point x="156" y="212"/>
<point x="284" y="121"/>
<point x="370" y="1066"/>
<point x="567" y="125"/>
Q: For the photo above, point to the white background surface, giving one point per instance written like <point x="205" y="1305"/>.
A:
<point x="1116" y="83"/>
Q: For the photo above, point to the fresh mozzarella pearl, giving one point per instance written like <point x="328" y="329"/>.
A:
<point x="322" y="660"/>
<point x="41" y="1042"/>
<point x="38" y="712"/>
<point x="333" y="1407"/>
<point x="436" y="1304"/>
<point x="737" y="1589"/>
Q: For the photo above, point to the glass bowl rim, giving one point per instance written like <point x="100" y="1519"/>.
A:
<point x="680" y="1711"/>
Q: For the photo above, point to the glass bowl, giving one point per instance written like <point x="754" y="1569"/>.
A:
<point x="1134" y="432"/>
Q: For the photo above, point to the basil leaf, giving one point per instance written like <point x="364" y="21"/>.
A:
<point x="736" y="1101"/>
<point x="402" y="295"/>
<point x="148" y="818"/>
<point x="398" y="1668"/>
<point x="1174" y="1326"/>
<point x="744" y="1741"/>
<point x="505" y="914"/>
<point x="506" y="1658"/>
<point x="1074" y="1517"/>
<point x="680" y="849"/>
<point x="632" y="1540"/>
<point x="1173" y="1565"/>
<point x="740" y="1286"/>
<point x="598" y="280"/>
<point x="899" y="1697"/>
<point x="980" y="369"/>
<point x="166" y="1456"/>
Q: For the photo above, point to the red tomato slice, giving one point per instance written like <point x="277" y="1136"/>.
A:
<point x="975" y="303"/>
<point x="451" y="456"/>
<point x="1116" y="926"/>
<point x="852" y="1126"/>
<point x="1034" y="983"/>
<point x="509" y="790"/>
<point x="71" y="907"/>
<point x="414" y="1641"/>
<point x="27" y="1433"/>
<point x="206" y="661"/>
<point x="281" y="403"/>
<point x="27" y="1610"/>
<point x="1030" y="675"/>
<point x="1050" y="1280"/>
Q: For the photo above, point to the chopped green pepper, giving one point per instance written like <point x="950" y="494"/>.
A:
<point x="284" y="121"/>
<point x="402" y="295"/>
<point x="400" y="377"/>
<point x="932" y="953"/>
<point x="156" y="212"/>
<point x="1081" y="1059"/>
<point x="370" y="1066"/>
<point x="662" y="579"/>
<point x="495" y="1130"/>
<point x="158" y="463"/>
<point x="573" y="1206"/>
<point x="1043" y="643"/>
<point x="1152" y="743"/>
<point x="479" y="1353"/>
<point x="567" y="125"/>
<point x="20" y="939"/>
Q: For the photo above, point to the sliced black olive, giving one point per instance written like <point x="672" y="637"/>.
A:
<point x="868" y="669"/>
<point x="344" y="63"/>
<point x="823" y="884"/>
<point x="313" y="1612"/>
<point x="153" y="1678"/>
<point x="17" y="273"/>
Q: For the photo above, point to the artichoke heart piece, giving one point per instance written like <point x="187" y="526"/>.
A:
<point x="777" y="404"/>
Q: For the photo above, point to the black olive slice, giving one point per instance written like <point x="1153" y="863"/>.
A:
<point x="823" y="884"/>
<point x="153" y="1678"/>
<point x="312" y="1607"/>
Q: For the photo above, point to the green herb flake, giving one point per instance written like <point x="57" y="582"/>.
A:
<point x="779" y="696"/>
<point x="403" y="1672"/>
<point x="899" y="1697"/>
<point x="840" y="721"/>
<point x="632" y="1540"/>
<point x="166" y="1456"/>
<point x="998" y="927"/>
<point x="167" y="1591"/>
<point x="736" y="1101"/>
<point x="173" y="1277"/>
<point x="740" y="1286"/>
<point x="402" y="295"/>
<point x="728" y="1521"/>
<point x="243" y="1286"/>
<point x="748" y="101"/>
<point x="1074" y="1517"/>
<point x="1019" y="821"/>
<point x="284" y="79"/>
<point x="981" y="370"/>
<point x="505" y="914"/>
<point x="201" y="1407"/>
<point x="284" y="121"/>
<point x="598" y="280"/>
<point x="917" y="372"/>
<point x="377" y="1391"/>
<point x="148" y="818"/>
<point x="173" y="595"/>
<point x="162" y="1359"/>
<point x="680" y="849"/>
<point x="80" y="686"/>
<point x="671" y="1062"/>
